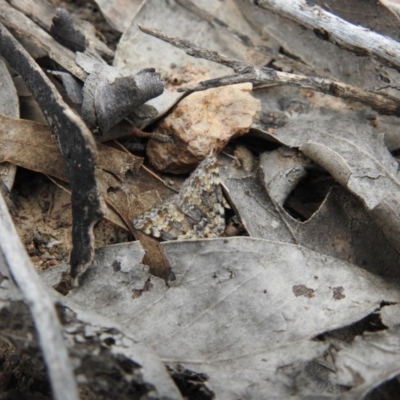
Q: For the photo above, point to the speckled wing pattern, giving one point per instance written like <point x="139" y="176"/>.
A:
<point x="197" y="211"/>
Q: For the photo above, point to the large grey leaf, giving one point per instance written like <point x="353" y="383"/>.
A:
<point x="238" y="310"/>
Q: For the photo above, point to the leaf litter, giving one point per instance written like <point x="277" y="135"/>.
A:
<point x="306" y="305"/>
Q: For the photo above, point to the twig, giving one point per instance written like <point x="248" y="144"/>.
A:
<point x="159" y="179"/>
<point x="196" y="51"/>
<point x="152" y="135"/>
<point x="42" y="309"/>
<point x="328" y="26"/>
<point x="245" y="40"/>
<point x="247" y="73"/>
<point x="57" y="184"/>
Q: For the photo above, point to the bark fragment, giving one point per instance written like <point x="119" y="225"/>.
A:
<point x="109" y="97"/>
<point x="77" y="147"/>
<point x="65" y="31"/>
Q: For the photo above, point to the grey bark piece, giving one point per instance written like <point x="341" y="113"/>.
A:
<point x="92" y="332"/>
<point x="9" y="105"/>
<point x="26" y="28"/>
<point x="42" y="13"/>
<point x="41" y="307"/>
<point x="122" y="274"/>
<point x="65" y="31"/>
<point x="238" y="310"/>
<point x="121" y="270"/>
<point x="77" y="147"/>
<point x="109" y="97"/>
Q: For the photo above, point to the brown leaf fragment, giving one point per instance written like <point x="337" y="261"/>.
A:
<point x="245" y="157"/>
<point x="127" y="201"/>
<point x="30" y="145"/>
<point x="201" y="124"/>
<point x="154" y="258"/>
<point x="136" y="195"/>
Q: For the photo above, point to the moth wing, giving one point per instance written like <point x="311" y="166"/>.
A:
<point x="166" y="222"/>
<point x="196" y="212"/>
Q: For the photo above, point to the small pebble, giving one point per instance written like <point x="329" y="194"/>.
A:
<point x="231" y="230"/>
<point x="36" y="260"/>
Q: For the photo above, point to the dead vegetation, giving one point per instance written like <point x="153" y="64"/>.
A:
<point x="239" y="242"/>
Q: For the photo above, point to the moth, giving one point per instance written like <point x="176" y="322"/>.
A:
<point x="197" y="211"/>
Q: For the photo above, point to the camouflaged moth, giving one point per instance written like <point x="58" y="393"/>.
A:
<point x="197" y="211"/>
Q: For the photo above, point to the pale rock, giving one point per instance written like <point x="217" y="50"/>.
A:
<point x="202" y="124"/>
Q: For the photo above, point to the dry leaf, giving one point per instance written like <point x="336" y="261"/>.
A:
<point x="30" y="145"/>
<point x="238" y="310"/>
<point x="345" y="144"/>
<point x="340" y="227"/>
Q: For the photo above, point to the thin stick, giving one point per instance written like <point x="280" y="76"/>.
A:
<point x="196" y="51"/>
<point x="246" y="41"/>
<point x="42" y="309"/>
<point x="247" y="73"/>
<point x="152" y="135"/>
<point x="148" y="170"/>
<point x="161" y="180"/>
<point x="58" y="185"/>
